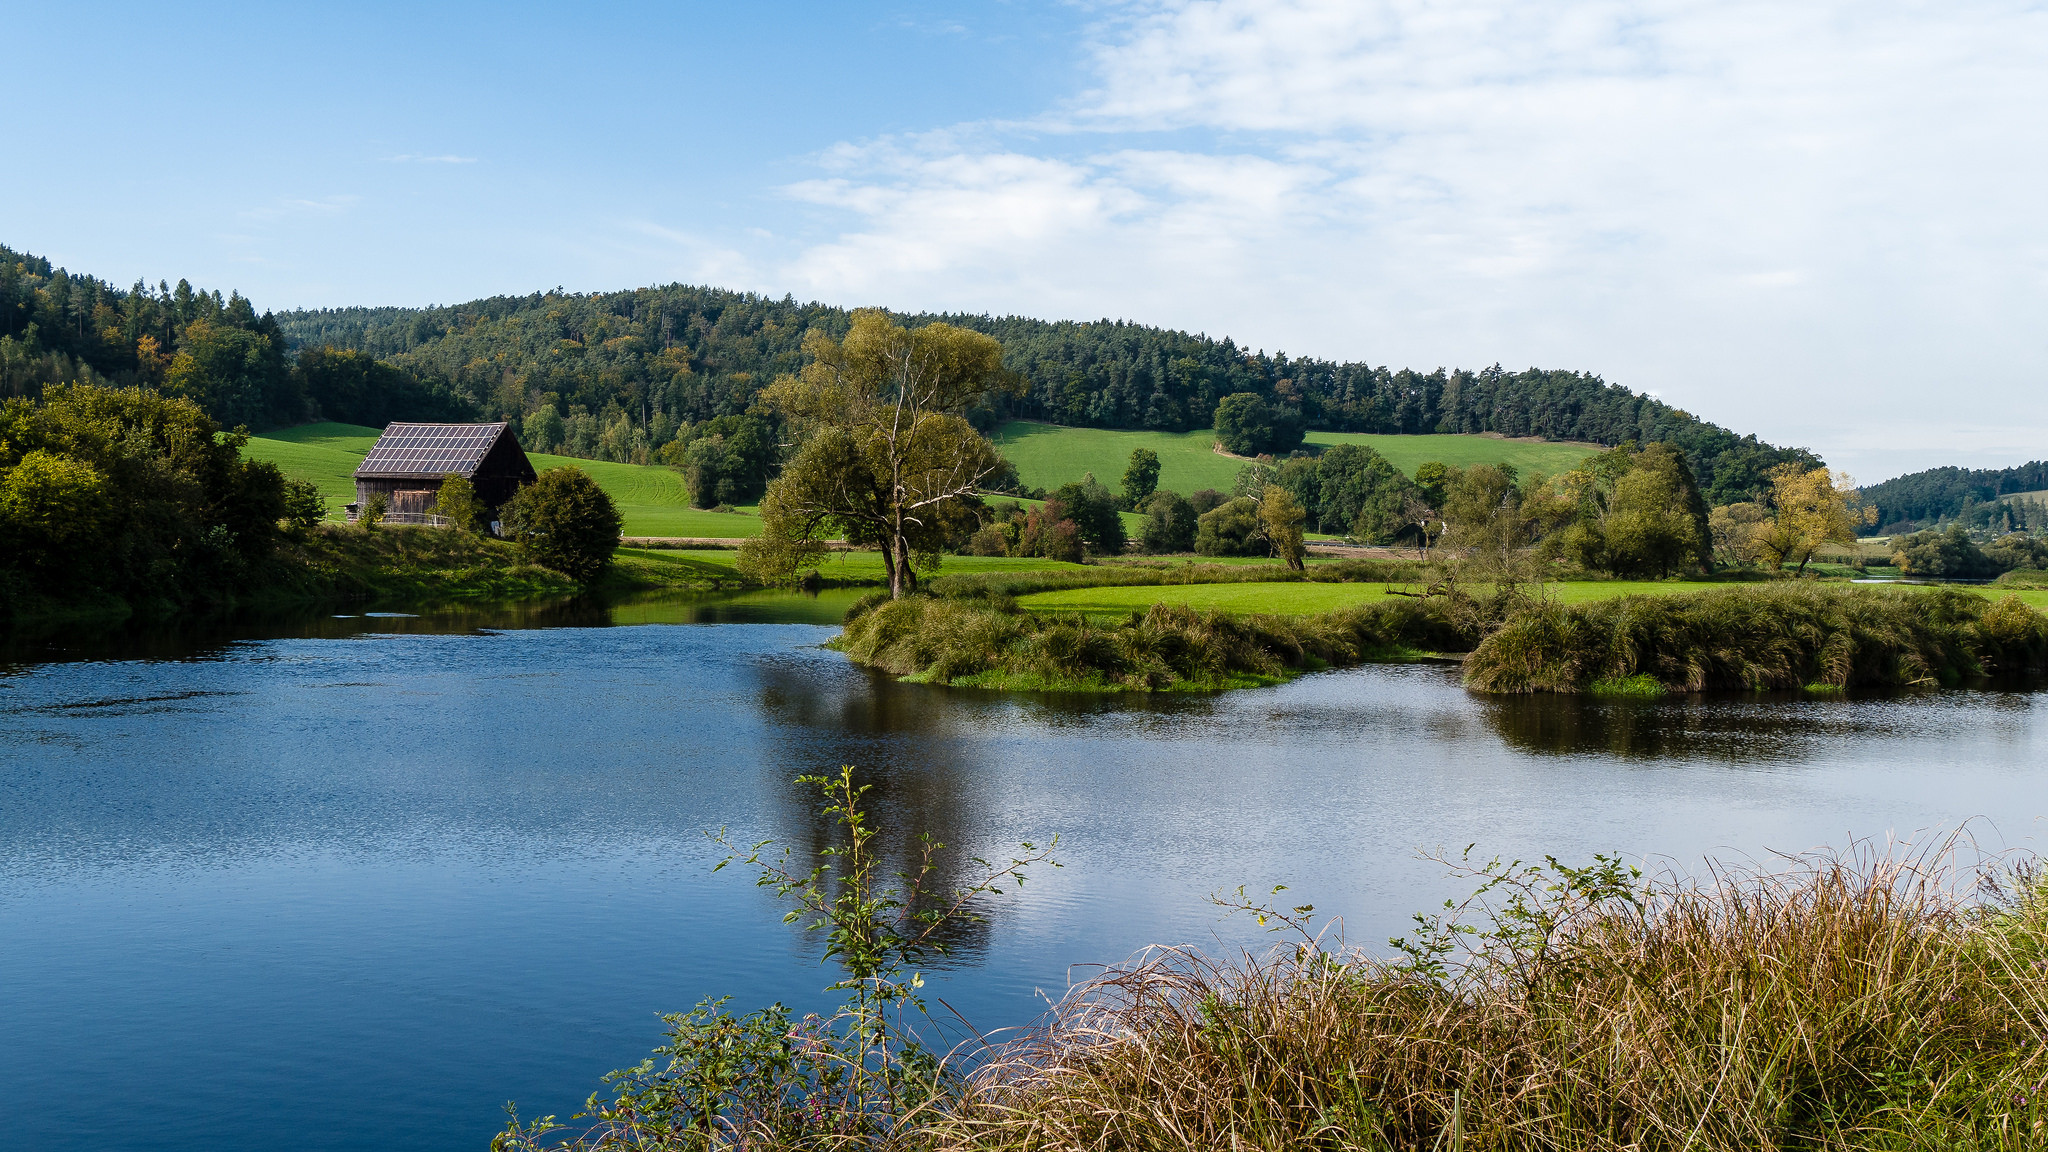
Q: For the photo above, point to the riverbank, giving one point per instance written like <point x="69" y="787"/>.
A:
<point x="1859" y="1001"/>
<point x="390" y="567"/>
<point x="993" y="631"/>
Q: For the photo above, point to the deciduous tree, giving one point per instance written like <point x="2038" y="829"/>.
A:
<point x="885" y="461"/>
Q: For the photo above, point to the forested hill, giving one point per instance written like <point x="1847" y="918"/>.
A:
<point x="617" y="375"/>
<point x="638" y="362"/>
<point x="1924" y="498"/>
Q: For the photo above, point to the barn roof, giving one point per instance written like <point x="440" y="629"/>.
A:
<point x="431" y="449"/>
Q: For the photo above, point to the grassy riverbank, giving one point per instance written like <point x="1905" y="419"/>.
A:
<point x="1190" y="629"/>
<point x="1782" y="636"/>
<point x="1869" y="1002"/>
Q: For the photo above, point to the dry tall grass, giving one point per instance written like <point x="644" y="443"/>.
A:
<point x="1867" y="1001"/>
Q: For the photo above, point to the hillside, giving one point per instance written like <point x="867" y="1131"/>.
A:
<point x="625" y="369"/>
<point x="618" y="374"/>
<point x="651" y="498"/>
<point x="1047" y="456"/>
<point x="1979" y="497"/>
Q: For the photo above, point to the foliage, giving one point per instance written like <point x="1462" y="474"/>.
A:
<point x="1937" y="494"/>
<point x="355" y="388"/>
<point x="1950" y="554"/>
<point x="1093" y="509"/>
<point x="1869" y="1000"/>
<point x="1169" y="523"/>
<point x="2017" y="550"/>
<point x="304" y="506"/>
<point x="372" y="511"/>
<point x="1280" y="519"/>
<point x="1048" y="532"/>
<point x="565" y="521"/>
<point x="885" y="461"/>
<point x="725" y="460"/>
<point x="1758" y="637"/>
<point x="1229" y="529"/>
<point x="862" y="1078"/>
<point x="1808" y="508"/>
<point x="1248" y="426"/>
<point x="133" y="494"/>
<point x="1141" y="478"/>
<point x="457" y="503"/>
<point x="1349" y="489"/>
<point x="1630" y="512"/>
<point x="990" y="643"/>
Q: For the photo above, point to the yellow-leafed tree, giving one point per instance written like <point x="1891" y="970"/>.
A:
<point x="1807" y="508"/>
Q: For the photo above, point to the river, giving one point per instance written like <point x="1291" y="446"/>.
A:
<point x="352" y="883"/>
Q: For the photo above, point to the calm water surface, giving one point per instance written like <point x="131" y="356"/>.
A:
<point x="354" y="883"/>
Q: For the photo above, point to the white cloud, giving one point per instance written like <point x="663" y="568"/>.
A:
<point x="1799" y="219"/>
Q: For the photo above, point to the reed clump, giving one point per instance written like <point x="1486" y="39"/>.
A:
<point x="1778" y="636"/>
<point x="989" y="642"/>
<point x="1861" y="1001"/>
<point x="982" y="585"/>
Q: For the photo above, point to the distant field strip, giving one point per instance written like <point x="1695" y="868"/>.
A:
<point x="1048" y="456"/>
<point x="652" y="499"/>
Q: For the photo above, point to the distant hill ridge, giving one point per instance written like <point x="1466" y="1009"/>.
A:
<point x="1923" y="498"/>
<point x="696" y="352"/>
<point x="624" y="370"/>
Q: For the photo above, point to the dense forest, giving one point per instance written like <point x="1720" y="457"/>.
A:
<point x="620" y="375"/>
<point x="1960" y="495"/>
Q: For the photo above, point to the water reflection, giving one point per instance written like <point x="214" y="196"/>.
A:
<point x="1755" y="728"/>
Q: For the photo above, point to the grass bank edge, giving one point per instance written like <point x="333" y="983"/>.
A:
<point x="1776" y="637"/>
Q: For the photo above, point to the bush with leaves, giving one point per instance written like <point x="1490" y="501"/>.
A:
<point x="457" y="504"/>
<point x="566" y="522"/>
<point x="1230" y="529"/>
<point x="1169" y="523"/>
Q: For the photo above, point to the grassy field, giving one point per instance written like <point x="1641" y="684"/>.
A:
<point x="1047" y="456"/>
<point x="651" y="498"/>
<point x="867" y="566"/>
<point x="1303" y="599"/>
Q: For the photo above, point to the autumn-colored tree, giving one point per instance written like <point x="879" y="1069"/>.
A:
<point x="1808" y="507"/>
<point x="1280" y="519"/>
<point x="886" y="461"/>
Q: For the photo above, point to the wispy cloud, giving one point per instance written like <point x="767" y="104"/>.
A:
<point x="333" y="205"/>
<point x="1788" y="217"/>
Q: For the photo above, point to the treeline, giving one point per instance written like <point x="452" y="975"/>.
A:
<point x="129" y="496"/>
<point x="1940" y="495"/>
<point x="236" y="366"/>
<point x="623" y="372"/>
<point x="621" y="375"/>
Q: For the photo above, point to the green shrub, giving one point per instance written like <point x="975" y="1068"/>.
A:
<point x="1230" y="529"/>
<point x="565" y="521"/>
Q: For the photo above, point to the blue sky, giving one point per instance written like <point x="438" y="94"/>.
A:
<point x="1821" y="222"/>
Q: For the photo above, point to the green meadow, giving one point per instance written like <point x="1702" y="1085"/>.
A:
<point x="1048" y="455"/>
<point x="1306" y="598"/>
<point x="650" y="497"/>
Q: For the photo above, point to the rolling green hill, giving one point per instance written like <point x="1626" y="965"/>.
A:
<point x="1047" y="455"/>
<point x="651" y="498"/>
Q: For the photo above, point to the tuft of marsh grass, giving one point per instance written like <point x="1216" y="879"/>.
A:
<point x="1868" y="1000"/>
<point x="1781" y="636"/>
<point x="988" y="642"/>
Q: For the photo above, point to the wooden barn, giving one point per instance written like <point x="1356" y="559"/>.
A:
<point x="409" y="461"/>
